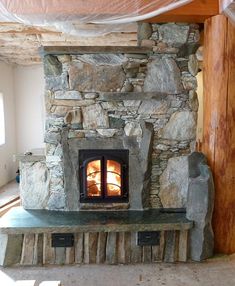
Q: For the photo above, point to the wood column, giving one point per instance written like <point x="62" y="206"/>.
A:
<point x="219" y="125"/>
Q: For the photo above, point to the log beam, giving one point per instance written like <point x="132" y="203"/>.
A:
<point x="195" y="12"/>
<point x="219" y="125"/>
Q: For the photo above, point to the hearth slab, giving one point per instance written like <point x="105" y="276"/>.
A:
<point x="19" y="221"/>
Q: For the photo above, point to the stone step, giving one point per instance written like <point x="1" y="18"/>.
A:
<point x="50" y="283"/>
<point x="25" y="283"/>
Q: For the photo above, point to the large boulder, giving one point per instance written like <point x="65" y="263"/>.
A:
<point x="174" y="183"/>
<point x="200" y="206"/>
<point x="163" y="75"/>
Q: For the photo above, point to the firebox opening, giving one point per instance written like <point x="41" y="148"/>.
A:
<point x="103" y="175"/>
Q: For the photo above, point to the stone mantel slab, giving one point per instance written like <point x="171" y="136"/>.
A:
<point x="19" y="220"/>
<point x="30" y="158"/>
<point x="66" y="50"/>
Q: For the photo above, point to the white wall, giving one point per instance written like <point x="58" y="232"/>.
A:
<point x="29" y="102"/>
<point x="7" y="166"/>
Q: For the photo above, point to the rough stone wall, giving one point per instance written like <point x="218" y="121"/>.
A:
<point x="109" y="95"/>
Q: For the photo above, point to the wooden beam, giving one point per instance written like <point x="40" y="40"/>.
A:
<point x="219" y="125"/>
<point x="195" y="12"/>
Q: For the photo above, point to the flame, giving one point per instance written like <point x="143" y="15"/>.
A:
<point x="113" y="178"/>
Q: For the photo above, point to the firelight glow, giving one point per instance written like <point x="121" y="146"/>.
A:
<point x="113" y="178"/>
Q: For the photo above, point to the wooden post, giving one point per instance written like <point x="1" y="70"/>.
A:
<point x="219" y="125"/>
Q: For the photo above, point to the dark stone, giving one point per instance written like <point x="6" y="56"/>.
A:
<point x="195" y="160"/>
<point x="188" y="49"/>
<point x="200" y="206"/>
<point x="52" y="66"/>
<point x="144" y="31"/>
<point x="88" y="76"/>
<point x="57" y="82"/>
<point x="163" y="75"/>
<point x="116" y="123"/>
<point x="52" y="137"/>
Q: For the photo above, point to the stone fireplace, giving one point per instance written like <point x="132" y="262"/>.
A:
<point x="120" y="135"/>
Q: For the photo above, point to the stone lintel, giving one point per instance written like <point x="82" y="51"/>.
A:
<point x="19" y="220"/>
<point x="75" y="50"/>
<point x="119" y="96"/>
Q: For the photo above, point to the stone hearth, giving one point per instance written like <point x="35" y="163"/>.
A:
<point x="141" y="99"/>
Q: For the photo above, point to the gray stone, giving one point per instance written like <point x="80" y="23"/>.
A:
<point x="107" y="132"/>
<point x="73" y="116"/>
<point x="52" y="66"/>
<point x="131" y="103"/>
<point x="116" y="123"/>
<point x="193" y="100"/>
<point x="91" y="95"/>
<point x="52" y="137"/>
<point x="144" y="31"/>
<point x="153" y="107"/>
<point x="57" y="82"/>
<point x="193" y="65"/>
<point x="87" y="77"/>
<point x="200" y="206"/>
<point x="181" y="126"/>
<point x="174" y="183"/>
<point x="189" y="81"/>
<point x="163" y="75"/>
<point x="56" y="201"/>
<point x="70" y="94"/>
<point x="76" y="134"/>
<point x="173" y="34"/>
<point x="34" y="185"/>
<point x="64" y="58"/>
<point x="133" y="129"/>
<point x="59" y="110"/>
<point x="147" y="43"/>
<point x="10" y="249"/>
<point x="128" y="87"/>
<point x="94" y="117"/>
<point x="103" y="59"/>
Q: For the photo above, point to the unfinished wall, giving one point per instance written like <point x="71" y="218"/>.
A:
<point x="7" y="166"/>
<point x="29" y="90"/>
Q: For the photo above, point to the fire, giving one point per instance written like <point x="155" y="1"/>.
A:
<point x="113" y="178"/>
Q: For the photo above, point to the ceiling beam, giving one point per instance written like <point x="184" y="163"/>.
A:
<point x="195" y="12"/>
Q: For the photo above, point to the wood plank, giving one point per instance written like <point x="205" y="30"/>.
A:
<point x="111" y="248"/>
<point x="124" y="246"/>
<point x="69" y="255"/>
<point x="136" y="250"/>
<point x="38" y="249"/>
<point x="183" y="246"/>
<point x="74" y="50"/>
<point x="90" y="247"/>
<point x="219" y="126"/>
<point x="28" y="249"/>
<point x="147" y="254"/>
<point x="171" y="246"/>
<point x="101" y="247"/>
<point x="60" y="255"/>
<point x="195" y="12"/>
<point x="48" y="251"/>
<point x="79" y="248"/>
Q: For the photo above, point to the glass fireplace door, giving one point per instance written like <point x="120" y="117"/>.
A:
<point x="103" y="178"/>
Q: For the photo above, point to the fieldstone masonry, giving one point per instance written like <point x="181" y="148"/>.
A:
<point x="143" y="100"/>
<point x="103" y="98"/>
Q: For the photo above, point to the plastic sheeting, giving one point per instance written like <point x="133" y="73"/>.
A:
<point x="228" y="8"/>
<point x="69" y="16"/>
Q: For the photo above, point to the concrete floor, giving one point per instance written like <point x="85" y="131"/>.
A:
<point x="9" y="192"/>
<point x="216" y="272"/>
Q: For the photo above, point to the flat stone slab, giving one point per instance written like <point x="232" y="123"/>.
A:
<point x="19" y="220"/>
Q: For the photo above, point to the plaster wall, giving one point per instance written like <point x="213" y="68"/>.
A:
<point x="29" y="90"/>
<point x="7" y="150"/>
